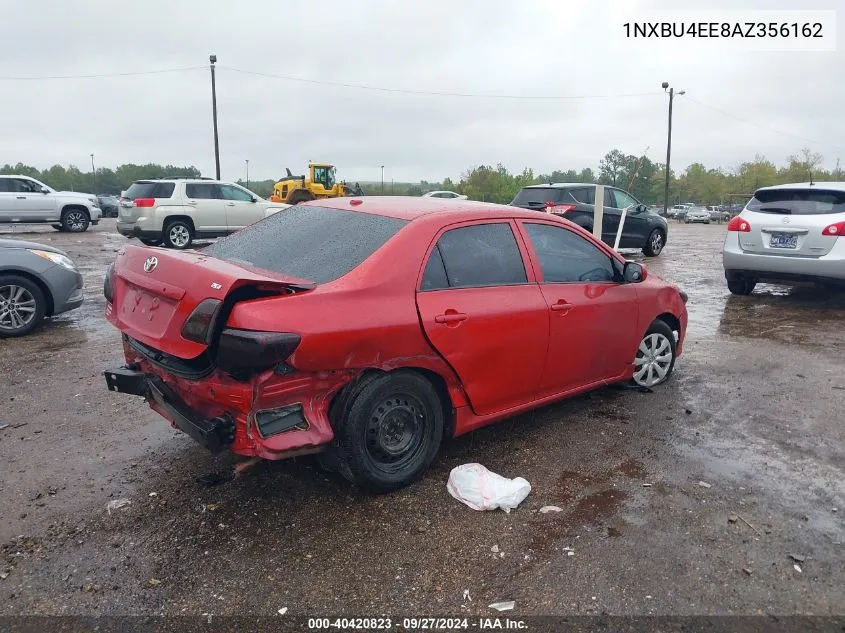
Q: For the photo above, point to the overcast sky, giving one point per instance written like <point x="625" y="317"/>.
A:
<point x="527" y="48"/>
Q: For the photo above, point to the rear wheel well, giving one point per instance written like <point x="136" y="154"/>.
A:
<point x="184" y="218"/>
<point x="348" y="392"/>
<point x="48" y="297"/>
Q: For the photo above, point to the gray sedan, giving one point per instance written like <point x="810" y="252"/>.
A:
<point x="35" y="281"/>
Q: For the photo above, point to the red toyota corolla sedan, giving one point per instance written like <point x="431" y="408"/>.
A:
<point x="369" y="328"/>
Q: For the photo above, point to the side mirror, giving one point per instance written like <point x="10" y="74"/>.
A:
<point x="45" y="190"/>
<point x="634" y="272"/>
<point x="254" y="199"/>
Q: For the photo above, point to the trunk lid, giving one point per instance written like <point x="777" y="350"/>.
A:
<point x="790" y="221"/>
<point x="155" y="291"/>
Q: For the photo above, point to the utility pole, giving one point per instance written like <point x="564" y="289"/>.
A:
<point x="382" y="180"/>
<point x="213" y="59"/>
<point x="247" y="173"/>
<point x="93" y="174"/>
<point x="668" y="148"/>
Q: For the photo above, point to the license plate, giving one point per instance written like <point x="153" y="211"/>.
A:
<point x="783" y="240"/>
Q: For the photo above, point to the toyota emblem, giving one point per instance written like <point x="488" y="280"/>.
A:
<point x="785" y="220"/>
<point x="150" y="264"/>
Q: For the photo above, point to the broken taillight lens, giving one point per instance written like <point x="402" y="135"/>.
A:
<point x="200" y="325"/>
<point x="248" y="351"/>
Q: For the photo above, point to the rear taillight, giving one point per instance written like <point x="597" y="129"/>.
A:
<point x="145" y="202"/>
<point x="739" y="225"/>
<point x="200" y="325"/>
<point x="108" y="284"/>
<point x="834" y="230"/>
<point x="247" y="351"/>
<point x="559" y="209"/>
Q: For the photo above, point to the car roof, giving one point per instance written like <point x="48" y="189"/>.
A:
<point x="822" y="184"/>
<point x="413" y="207"/>
<point x="562" y="185"/>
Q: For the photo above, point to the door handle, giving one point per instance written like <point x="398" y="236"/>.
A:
<point x="230" y="204"/>
<point x="561" y="306"/>
<point x="21" y="197"/>
<point x="450" y="317"/>
<point x="192" y="202"/>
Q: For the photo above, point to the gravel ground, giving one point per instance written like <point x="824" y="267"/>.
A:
<point x="721" y="492"/>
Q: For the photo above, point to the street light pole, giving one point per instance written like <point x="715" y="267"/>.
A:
<point x="213" y="60"/>
<point x="247" y="173"/>
<point x="668" y="148"/>
<point x="93" y="174"/>
<point x="382" y="180"/>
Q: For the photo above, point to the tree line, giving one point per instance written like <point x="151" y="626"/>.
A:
<point x="639" y="175"/>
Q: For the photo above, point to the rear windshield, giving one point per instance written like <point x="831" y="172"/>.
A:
<point x="149" y="190"/>
<point x="798" y="201"/>
<point x="538" y="196"/>
<point x="306" y="242"/>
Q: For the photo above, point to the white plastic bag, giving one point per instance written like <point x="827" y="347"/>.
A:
<point x="481" y="489"/>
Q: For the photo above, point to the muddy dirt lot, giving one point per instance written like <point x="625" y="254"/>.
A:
<point x="754" y="411"/>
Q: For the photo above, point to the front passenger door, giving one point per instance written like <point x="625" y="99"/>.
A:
<point x="484" y="316"/>
<point x="635" y="229"/>
<point x="593" y="329"/>
<point x="240" y="208"/>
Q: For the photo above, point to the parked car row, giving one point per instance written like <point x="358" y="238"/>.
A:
<point x="25" y="200"/>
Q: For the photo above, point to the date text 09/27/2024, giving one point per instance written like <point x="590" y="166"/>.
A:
<point x="417" y="624"/>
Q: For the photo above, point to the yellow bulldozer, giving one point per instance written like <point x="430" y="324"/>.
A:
<point x="321" y="182"/>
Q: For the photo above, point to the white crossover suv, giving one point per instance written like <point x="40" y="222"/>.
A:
<point x="788" y="233"/>
<point x="174" y="212"/>
<point x="25" y="200"/>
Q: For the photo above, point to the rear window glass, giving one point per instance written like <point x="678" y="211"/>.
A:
<point x="538" y="196"/>
<point x="150" y="190"/>
<point x="311" y="243"/>
<point x="798" y="201"/>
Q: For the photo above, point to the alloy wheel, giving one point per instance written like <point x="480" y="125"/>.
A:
<point x="179" y="235"/>
<point x="17" y="307"/>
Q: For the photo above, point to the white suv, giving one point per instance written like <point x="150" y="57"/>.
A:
<point x="25" y="200"/>
<point x="174" y="212"/>
<point x="788" y="233"/>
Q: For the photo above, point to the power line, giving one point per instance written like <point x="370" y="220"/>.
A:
<point x="435" y="93"/>
<point x="101" y="75"/>
<point x="762" y="127"/>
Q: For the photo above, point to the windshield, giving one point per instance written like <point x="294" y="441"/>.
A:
<point x="798" y="201"/>
<point x="538" y="196"/>
<point x="310" y="243"/>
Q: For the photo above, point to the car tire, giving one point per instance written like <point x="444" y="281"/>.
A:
<point x="741" y="286"/>
<point x="388" y="429"/>
<point x="655" y="356"/>
<point x="75" y="220"/>
<point x="18" y="292"/>
<point x="178" y="234"/>
<point x="150" y="242"/>
<point x="654" y="244"/>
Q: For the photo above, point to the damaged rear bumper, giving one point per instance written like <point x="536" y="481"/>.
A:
<point x="214" y="434"/>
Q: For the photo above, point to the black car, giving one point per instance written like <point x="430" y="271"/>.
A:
<point x="643" y="229"/>
<point x="108" y="205"/>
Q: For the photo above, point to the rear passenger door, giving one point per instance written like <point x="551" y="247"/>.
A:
<point x="484" y="314"/>
<point x="240" y="208"/>
<point x="208" y="208"/>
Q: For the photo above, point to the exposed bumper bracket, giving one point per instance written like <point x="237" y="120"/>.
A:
<point x="213" y="433"/>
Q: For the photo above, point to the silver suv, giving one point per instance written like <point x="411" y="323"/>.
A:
<point x="25" y="200"/>
<point x="788" y="233"/>
<point x="174" y="212"/>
